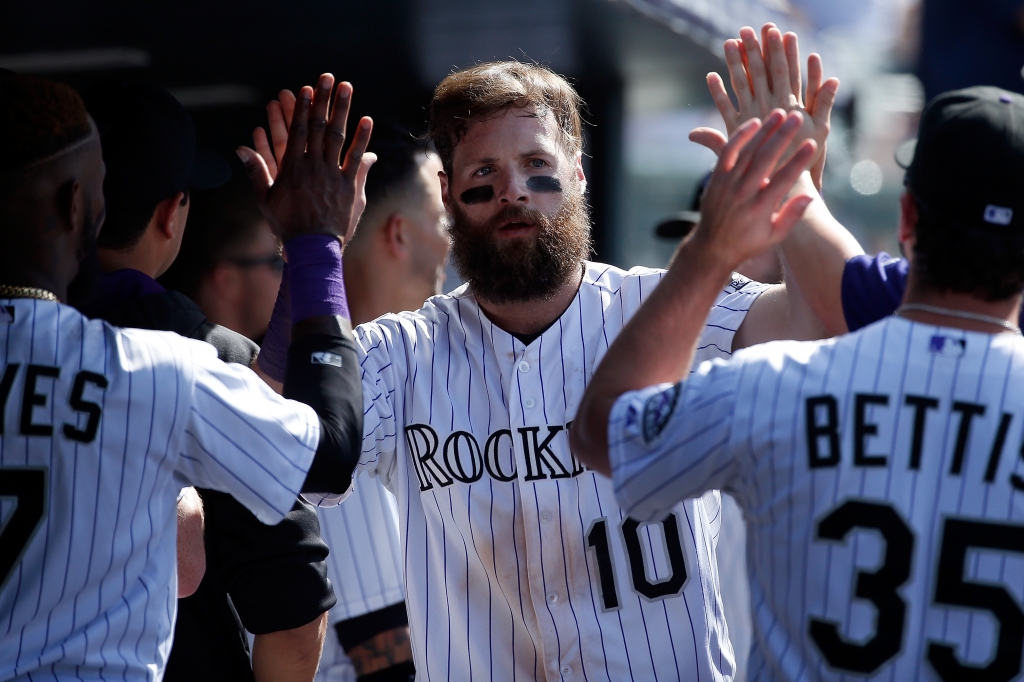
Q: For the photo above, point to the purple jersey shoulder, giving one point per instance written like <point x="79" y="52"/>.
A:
<point x="872" y="288"/>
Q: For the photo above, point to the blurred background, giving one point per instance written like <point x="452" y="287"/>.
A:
<point x="640" y="65"/>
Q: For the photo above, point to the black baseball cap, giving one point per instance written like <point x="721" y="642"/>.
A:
<point x="967" y="164"/>
<point x="680" y="224"/>
<point x="149" y="144"/>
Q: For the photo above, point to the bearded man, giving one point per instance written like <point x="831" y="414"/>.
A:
<point x="519" y="563"/>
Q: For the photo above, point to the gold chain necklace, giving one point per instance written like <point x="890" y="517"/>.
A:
<point x="8" y="291"/>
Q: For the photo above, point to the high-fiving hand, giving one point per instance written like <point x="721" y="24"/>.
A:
<point x="743" y="213"/>
<point x="306" y="189"/>
<point x="766" y="76"/>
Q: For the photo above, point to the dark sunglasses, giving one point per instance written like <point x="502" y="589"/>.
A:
<point x="274" y="261"/>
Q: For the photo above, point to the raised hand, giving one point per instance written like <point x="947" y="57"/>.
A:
<point x="309" y="192"/>
<point x="279" y="118"/>
<point x="766" y="75"/>
<point x="739" y="219"/>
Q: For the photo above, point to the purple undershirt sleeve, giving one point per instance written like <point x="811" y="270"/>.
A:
<point x="872" y="288"/>
<point x="312" y="285"/>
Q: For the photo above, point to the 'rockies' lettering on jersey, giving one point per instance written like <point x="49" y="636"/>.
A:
<point x="882" y="479"/>
<point x="101" y="428"/>
<point x="519" y="563"/>
<point x="461" y="458"/>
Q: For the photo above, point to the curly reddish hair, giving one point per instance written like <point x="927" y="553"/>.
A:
<point x="491" y="89"/>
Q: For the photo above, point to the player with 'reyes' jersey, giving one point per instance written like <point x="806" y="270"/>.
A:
<point x="879" y="472"/>
<point x="101" y="427"/>
<point x="518" y="561"/>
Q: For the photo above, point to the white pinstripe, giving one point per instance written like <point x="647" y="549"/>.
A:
<point x="500" y="582"/>
<point x="94" y="595"/>
<point x="741" y="426"/>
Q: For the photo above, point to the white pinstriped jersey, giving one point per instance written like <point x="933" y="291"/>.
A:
<point x="365" y="563"/>
<point x="518" y="561"/>
<point x="101" y="428"/>
<point x="883" y="490"/>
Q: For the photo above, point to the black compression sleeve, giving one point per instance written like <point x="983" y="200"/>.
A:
<point x="323" y="372"/>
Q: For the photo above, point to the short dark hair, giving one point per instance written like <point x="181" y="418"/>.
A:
<point x="126" y="221"/>
<point x="399" y="154"/>
<point x="38" y="118"/>
<point x="981" y="261"/>
<point x="221" y="222"/>
<point x="487" y="90"/>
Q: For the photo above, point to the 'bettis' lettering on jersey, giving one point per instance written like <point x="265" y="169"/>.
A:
<point x="461" y="458"/>
<point x="34" y="400"/>
<point x="824" y="438"/>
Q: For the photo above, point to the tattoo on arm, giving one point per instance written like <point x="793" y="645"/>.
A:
<point x="381" y="651"/>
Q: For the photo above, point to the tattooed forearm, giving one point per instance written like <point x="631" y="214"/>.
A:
<point x="384" y="650"/>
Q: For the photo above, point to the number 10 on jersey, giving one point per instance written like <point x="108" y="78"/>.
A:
<point x="599" y="541"/>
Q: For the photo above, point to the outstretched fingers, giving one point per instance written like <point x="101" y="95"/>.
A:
<point x="710" y="138"/>
<point x="717" y="89"/>
<point x="278" y="124"/>
<point x="778" y="67"/>
<point x="746" y="154"/>
<point x="740" y="137"/>
<point x="758" y="161"/>
<point x="824" y="102"/>
<point x="739" y="79"/>
<point x="782" y="182"/>
<point x="792" y="49"/>
<point x="337" y="124"/>
<point x="262" y="145"/>
<point x="318" y="114"/>
<point x="256" y="168"/>
<point x="814" y="76"/>
<point x="298" y="131"/>
<point x="756" y="69"/>
<point x="360" y="141"/>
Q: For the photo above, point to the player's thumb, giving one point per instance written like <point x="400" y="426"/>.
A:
<point x="824" y="101"/>
<point x="256" y="169"/>
<point x="788" y="215"/>
<point x="710" y="138"/>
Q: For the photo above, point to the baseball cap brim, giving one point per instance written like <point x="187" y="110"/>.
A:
<point x="677" y="225"/>
<point x="210" y="170"/>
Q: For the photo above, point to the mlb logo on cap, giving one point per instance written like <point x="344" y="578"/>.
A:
<point x="998" y="215"/>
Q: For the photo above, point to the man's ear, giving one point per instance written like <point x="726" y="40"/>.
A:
<point x="444" y="189"/>
<point x="71" y="206"/>
<point x="907" y="232"/>
<point x="166" y="216"/>
<point x="580" y="175"/>
<point x="395" y="233"/>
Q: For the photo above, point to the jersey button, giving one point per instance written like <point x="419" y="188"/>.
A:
<point x="524" y="366"/>
<point x="545" y="517"/>
<point x="552" y="597"/>
<point x="528" y="403"/>
<point x="566" y="670"/>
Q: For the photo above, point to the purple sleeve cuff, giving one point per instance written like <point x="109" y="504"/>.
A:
<point x="872" y="288"/>
<point x="273" y="357"/>
<point x="317" y="281"/>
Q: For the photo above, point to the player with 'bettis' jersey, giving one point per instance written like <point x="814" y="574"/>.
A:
<point x="879" y="472"/>
<point x="519" y="562"/>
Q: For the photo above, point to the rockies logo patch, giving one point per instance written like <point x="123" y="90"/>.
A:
<point x="738" y="281"/>
<point x="657" y="411"/>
